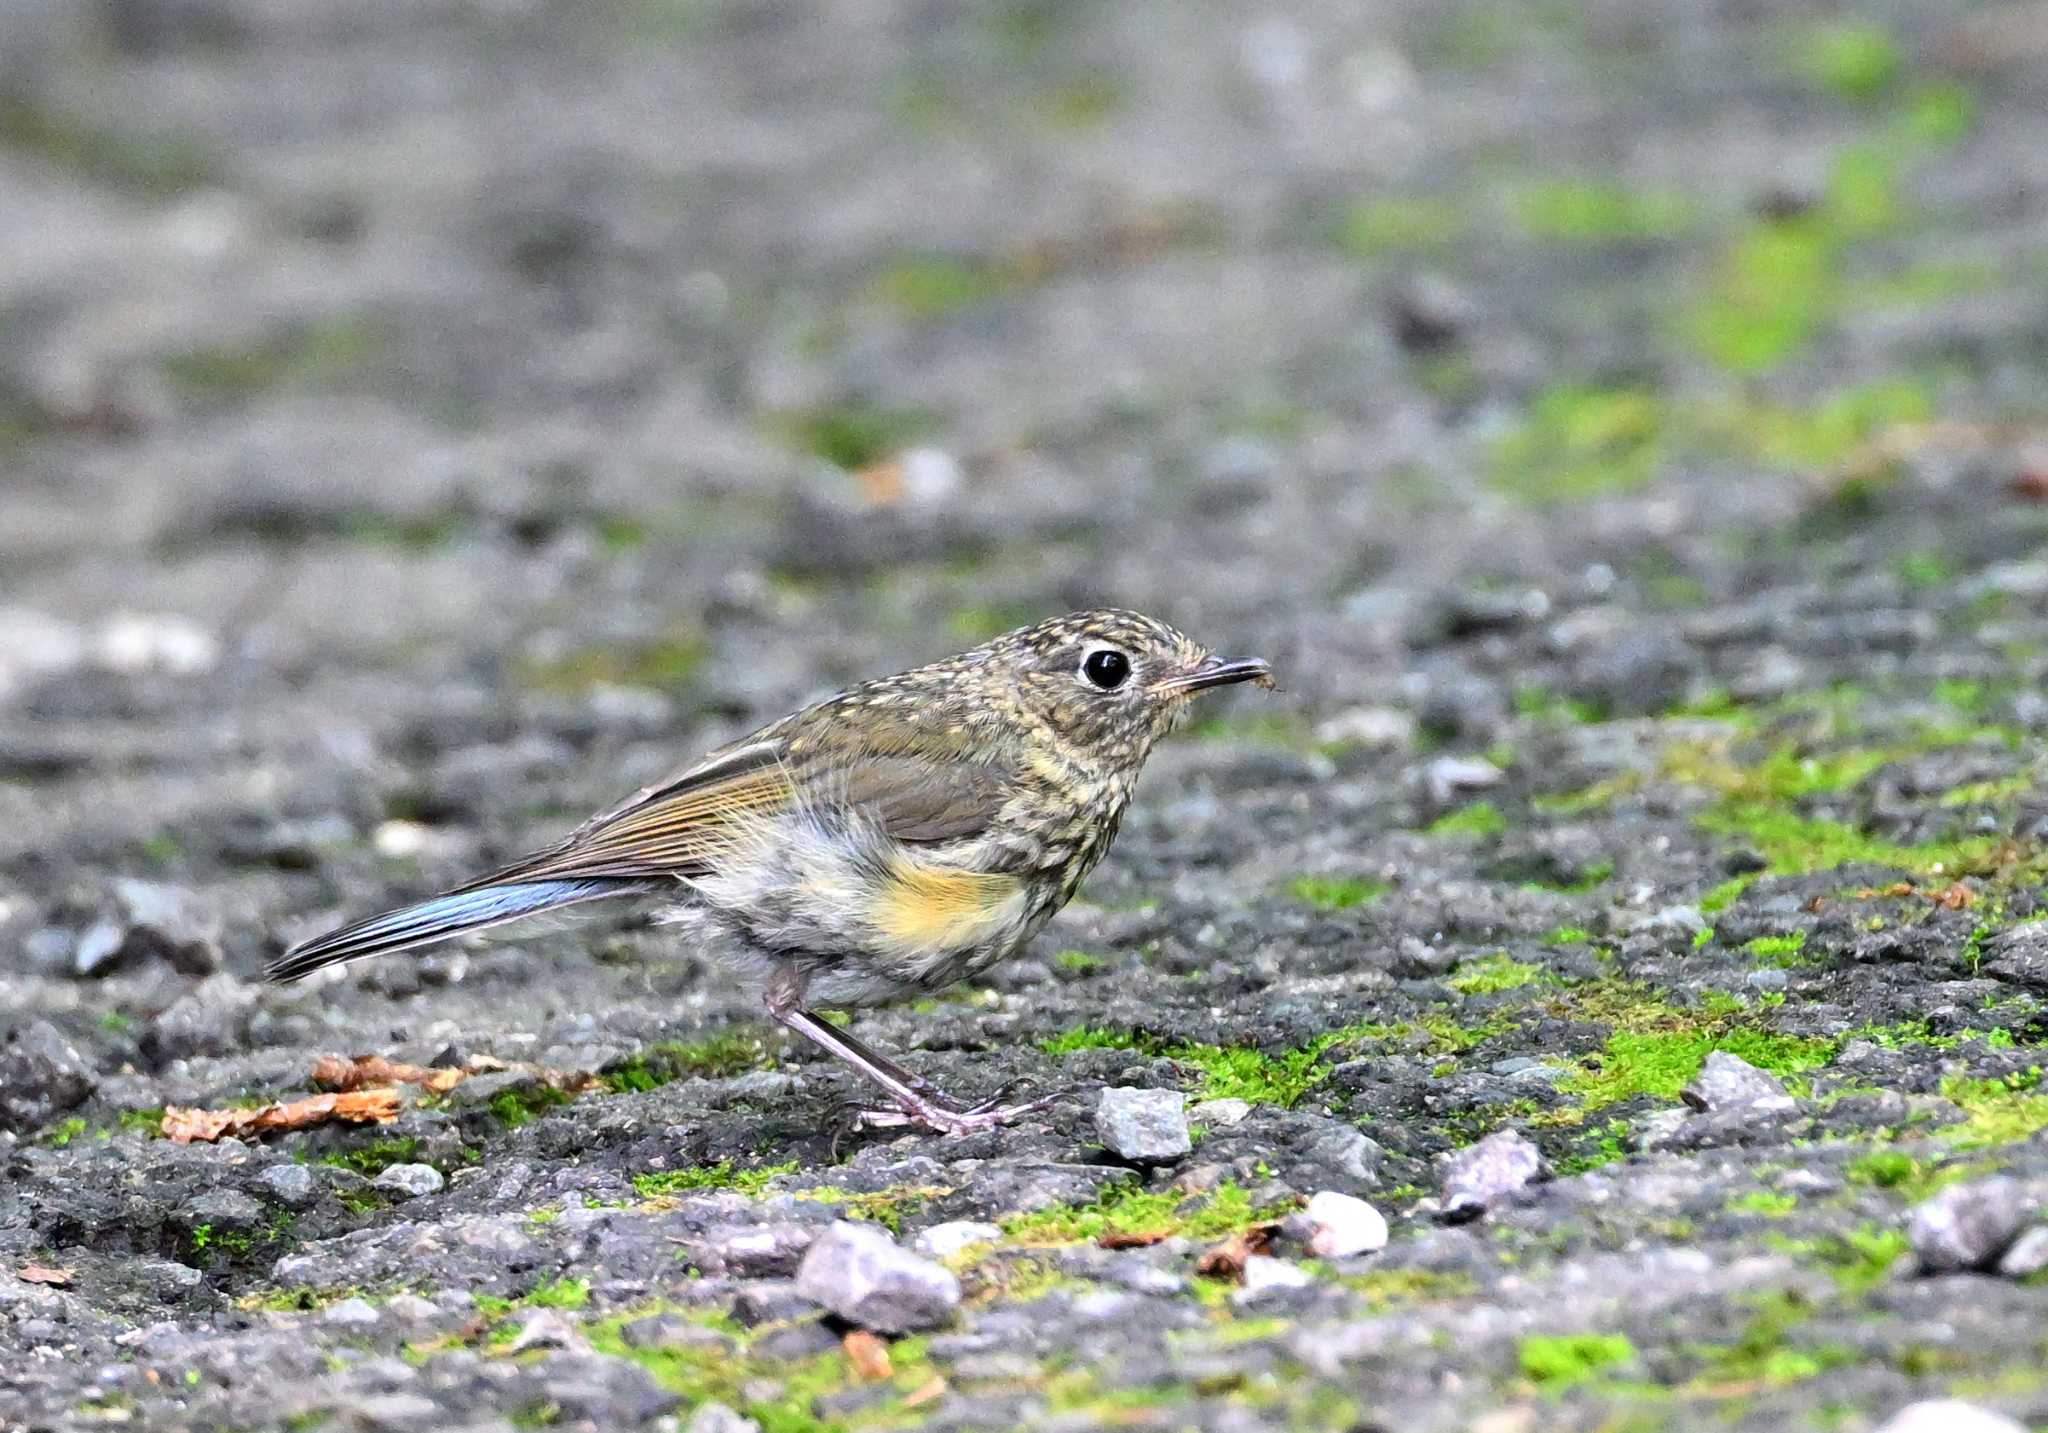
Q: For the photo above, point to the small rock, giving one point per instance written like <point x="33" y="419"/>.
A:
<point x="1727" y="1082"/>
<point x="1377" y="728"/>
<point x="1220" y="1114"/>
<point x="155" y="642"/>
<point x="942" y="1241"/>
<point x="1448" y="776"/>
<point x="220" y="1211"/>
<point x="857" y="1272"/>
<point x="1671" y="920"/>
<point x="546" y="1328"/>
<point x="1948" y="1415"/>
<point x="210" y="1019"/>
<point x="41" y="1076"/>
<point x="1143" y="1126"/>
<point x="97" y="949"/>
<point x="1636" y="673"/>
<point x="351" y="1314"/>
<point x="929" y="476"/>
<point x="1480" y="1176"/>
<point x="1263" y="1274"/>
<point x="292" y="1184"/>
<point x="1967" y="1226"/>
<point x="410" y="1181"/>
<point x="1340" y="1225"/>
<point x="717" y="1418"/>
<point x="753" y="1251"/>
<point x="2027" y="1256"/>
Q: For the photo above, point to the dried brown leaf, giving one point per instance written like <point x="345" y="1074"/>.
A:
<point x="1226" y="1260"/>
<point x="185" y="1126"/>
<point x="868" y="1355"/>
<point x="1137" y="1239"/>
<point x="1957" y="897"/>
<point x="924" y="1393"/>
<point x="333" y="1072"/>
<point x="43" y="1274"/>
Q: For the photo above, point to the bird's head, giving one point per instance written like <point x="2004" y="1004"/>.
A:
<point x="1109" y="683"/>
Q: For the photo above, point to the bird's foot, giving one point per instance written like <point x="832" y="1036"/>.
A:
<point x="941" y="1117"/>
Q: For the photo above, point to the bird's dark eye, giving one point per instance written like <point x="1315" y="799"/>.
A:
<point x="1106" y="668"/>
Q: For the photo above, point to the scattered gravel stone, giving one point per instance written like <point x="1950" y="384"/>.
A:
<point x="858" y="1272"/>
<point x="1337" y="1226"/>
<point x="717" y="1418"/>
<point x="291" y="1183"/>
<point x="1727" y="1082"/>
<point x="546" y="1328"/>
<point x="1449" y="777"/>
<point x="1948" y="1415"/>
<point x="42" y="1075"/>
<point x="352" y="1313"/>
<point x="1482" y="1175"/>
<point x="1967" y="1226"/>
<point x="1638" y="673"/>
<point x="942" y="1241"/>
<point x="1264" y="1274"/>
<point x="2028" y="1254"/>
<point x="1219" y="1114"/>
<point x="1143" y="1126"/>
<point x="1671" y="921"/>
<point x="409" y="1181"/>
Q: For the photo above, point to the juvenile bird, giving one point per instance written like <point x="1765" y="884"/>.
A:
<point x="882" y="843"/>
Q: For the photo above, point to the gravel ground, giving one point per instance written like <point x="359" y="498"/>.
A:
<point x="1620" y="423"/>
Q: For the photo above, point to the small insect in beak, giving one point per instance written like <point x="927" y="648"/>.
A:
<point x="1217" y="672"/>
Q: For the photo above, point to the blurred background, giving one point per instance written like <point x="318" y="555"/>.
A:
<point x="427" y="418"/>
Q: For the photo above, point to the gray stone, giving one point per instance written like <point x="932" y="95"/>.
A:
<point x="352" y="1314"/>
<point x="753" y="1251"/>
<point x="1728" y="1082"/>
<point x="1336" y="1225"/>
<point x="858" y="1272"/>
<point x="211" y="1019"/>
<point x="1143" y="1126"/>
<point x="292" y="1184"/>
<point x="1219" y="1114"/>
<point x="1948" y="1415"/>
<point x="1482" y="1175"/>
<point x="1967" y="1226"/>
<point x="717" y="1418"/>
<point x="1636" y="673"/>
<point x="942" y="1241"/>
<point x="409" y="1181"/>
<point x="42" y="1075"/>
<point x="2028" y="1254"/>
<point x="1265" y="1275"/>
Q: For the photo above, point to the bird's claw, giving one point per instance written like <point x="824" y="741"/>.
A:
<point x="941" y="1119"/>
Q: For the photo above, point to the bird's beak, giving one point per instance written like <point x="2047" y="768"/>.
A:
<point x="1217" y="672"/>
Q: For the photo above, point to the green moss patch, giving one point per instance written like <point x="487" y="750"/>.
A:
<point x="1336" y="893"/>
<point x="722" y="1175"/>
<point x="1127" y="1209"/>
<point x="1559" y="1361"/>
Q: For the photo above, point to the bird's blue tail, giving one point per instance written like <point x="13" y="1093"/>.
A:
<point x="439" y="918"/>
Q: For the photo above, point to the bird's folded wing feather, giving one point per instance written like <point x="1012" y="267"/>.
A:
<point x="682" y="826"/>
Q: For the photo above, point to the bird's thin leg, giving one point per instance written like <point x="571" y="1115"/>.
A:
<point x="880" y="1061"/>
<point x="919" y="1102"/>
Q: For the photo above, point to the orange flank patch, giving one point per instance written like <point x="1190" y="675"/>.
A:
<point x="940" y="908"/>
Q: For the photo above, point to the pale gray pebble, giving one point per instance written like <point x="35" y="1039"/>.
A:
<point x="352" y="1313"/>
<point x="858" y="1272"/>
<point x="1219" y="1114"/>
<point x="1728" y="1081"/>
<point x="1967" y="1226"/>
<point x="1264" y="1275"/>
<point x="1336" y="1225"/>
<point x="291" y="1183"/>
<point x="1480" y="1176"/>
<point x="410" y="1181"/>
<point x="1948" y="1415"/>
<point x="1143" y="1126"/>
<point x="2027" y="1255"/>
<point x="942" y="1241"/>
<point x="717" y="1418"/>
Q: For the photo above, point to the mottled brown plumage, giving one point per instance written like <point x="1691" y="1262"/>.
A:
<point x="886" y="841"/>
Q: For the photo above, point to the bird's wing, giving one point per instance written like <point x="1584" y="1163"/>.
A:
<point x="681" y="826"/>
